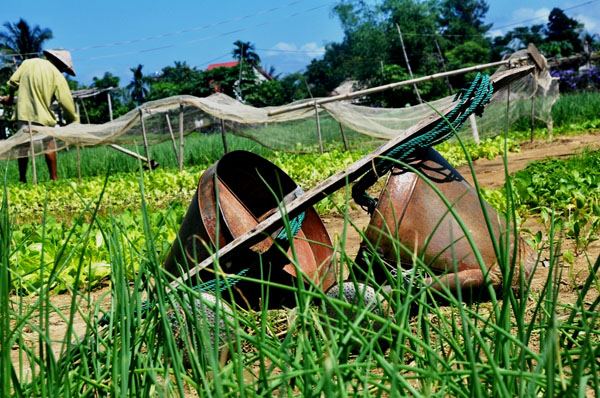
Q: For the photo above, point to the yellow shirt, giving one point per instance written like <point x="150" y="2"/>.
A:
<point x="39" y="82"/>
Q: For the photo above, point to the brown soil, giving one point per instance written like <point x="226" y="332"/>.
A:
<point x="490" y="174"/>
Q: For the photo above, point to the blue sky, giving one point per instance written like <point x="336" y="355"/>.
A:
<point x="115" y="36"/>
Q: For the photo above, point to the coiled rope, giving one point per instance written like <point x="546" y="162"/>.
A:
<point x="471" y="101"/>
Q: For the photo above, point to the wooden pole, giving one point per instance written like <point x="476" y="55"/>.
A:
<point x="32" y="154"/>
<point x="344" y="137"/>
<point x="172" y="137"/>
<point x="474" y="128"/>
<point x="110" y="114"/>
<point x="225" y="150"/>
<point x="87" y="117"/>
<point x="408" y="64"/>
<point x="378" y="89"/>
<point x="78" y="164"/>
<point x="180" y="135"/>
<point x="145" y="140"/>
<point x="319" y="129"/>
<point x="443" y="66"/>
<point x="128" y="152"/>
<point x="531" y="138"/>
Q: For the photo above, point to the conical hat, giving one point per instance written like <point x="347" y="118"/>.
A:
<point x="63" y="57"/>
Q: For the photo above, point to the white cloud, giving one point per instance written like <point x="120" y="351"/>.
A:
<point x="290" y="51"/>
<point x="589" y="24"/>
<point x="495" y="32"/>
<point x="522" y="14"/>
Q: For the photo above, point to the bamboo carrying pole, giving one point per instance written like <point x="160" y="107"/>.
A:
<point x="32" y="154"/>
<point x="145" y="140"/>
<point x="408" y="64"/>
<point x="319" y="129"/>
<point x="373" y="90"/>
<point x="223" y="137"/>
<point x="172" y="137"/>
<point x="335" y="182"/>
<point x="180" y="135"/>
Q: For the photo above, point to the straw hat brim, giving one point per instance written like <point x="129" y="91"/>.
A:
<point x="61" y="58"/>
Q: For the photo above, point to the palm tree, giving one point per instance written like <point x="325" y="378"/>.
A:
<point x="137" y="87"/>
<point x="23" y="41"/>
<point x="244" y="51"/>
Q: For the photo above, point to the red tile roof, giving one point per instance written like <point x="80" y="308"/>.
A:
<point x="223" y="65"/>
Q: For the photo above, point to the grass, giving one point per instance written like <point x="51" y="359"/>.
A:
<point x="528" y="343"/>
<point x="512" y="344"/>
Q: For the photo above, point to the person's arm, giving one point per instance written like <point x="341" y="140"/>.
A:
<point x="65" y="99"/>
<point x="13" y="85"/>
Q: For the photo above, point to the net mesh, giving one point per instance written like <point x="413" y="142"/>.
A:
<point x="294" y="131"/>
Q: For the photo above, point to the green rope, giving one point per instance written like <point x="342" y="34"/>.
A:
<point x="471" y="101"/>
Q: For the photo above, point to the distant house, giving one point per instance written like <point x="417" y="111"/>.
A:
<point x="260" y="73"/>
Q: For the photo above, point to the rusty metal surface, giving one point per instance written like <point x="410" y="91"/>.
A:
<point x="412" y="214"/>
<point x="249" y="189"/>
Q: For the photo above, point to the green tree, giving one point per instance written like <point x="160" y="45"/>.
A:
<point x="269" y="93"/>
<point x="562" y="34"/>
<point x="22" y="40"/>
<point x="463" y="18"/>
<point x="96" y="107"/>
<point x="138" y="85"/>
<point x="517" y="39"/>
<point x="177" y="80"/>
<point x="244" y="51"/>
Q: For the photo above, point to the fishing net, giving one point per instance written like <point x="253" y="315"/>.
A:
<point x="301" y="130"/>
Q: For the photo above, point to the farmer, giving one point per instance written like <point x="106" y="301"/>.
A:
<point x="39" y="82"/>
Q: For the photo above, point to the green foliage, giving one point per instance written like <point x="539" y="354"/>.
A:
<point x="562" y="33"/>
<point x="398" y="97"/>
<point x="138" y="87"/>
<point x="269" y="93"/>
<point x="22" y="40"/>
<point x="570" y="188"/>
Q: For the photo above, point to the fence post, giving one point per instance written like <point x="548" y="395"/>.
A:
<point x="319" y="129"/>
<point x="474" y="128"/>
<point x="78" y="164"/>
<point x="32" y="154"/>
<point x="344" y="137"/>
<point x="225" y="150"/>
<point x="172" y="137"/>
<point x="180" y="135"/>
<point x="145" y="140"/>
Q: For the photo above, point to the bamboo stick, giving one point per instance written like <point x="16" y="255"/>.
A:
<point x="172" y="137"/>
<point x="319" y="130"/>
<point x="408" y="64"/>
<point x="474" y="128"/>
<point x="378" y="89"/>
<point x="32" y="154"/>
<point x="225" y="150"/>
<point x="110" y="113"/>
<point x="344" y="137"/>
<point x="78" y="164"/>
<point x="180" y="135"/>
<point x="145" y="140"/>
<point x="128" y="152"/>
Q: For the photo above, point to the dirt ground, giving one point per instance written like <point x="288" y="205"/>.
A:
<point x="490" y="174"/>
